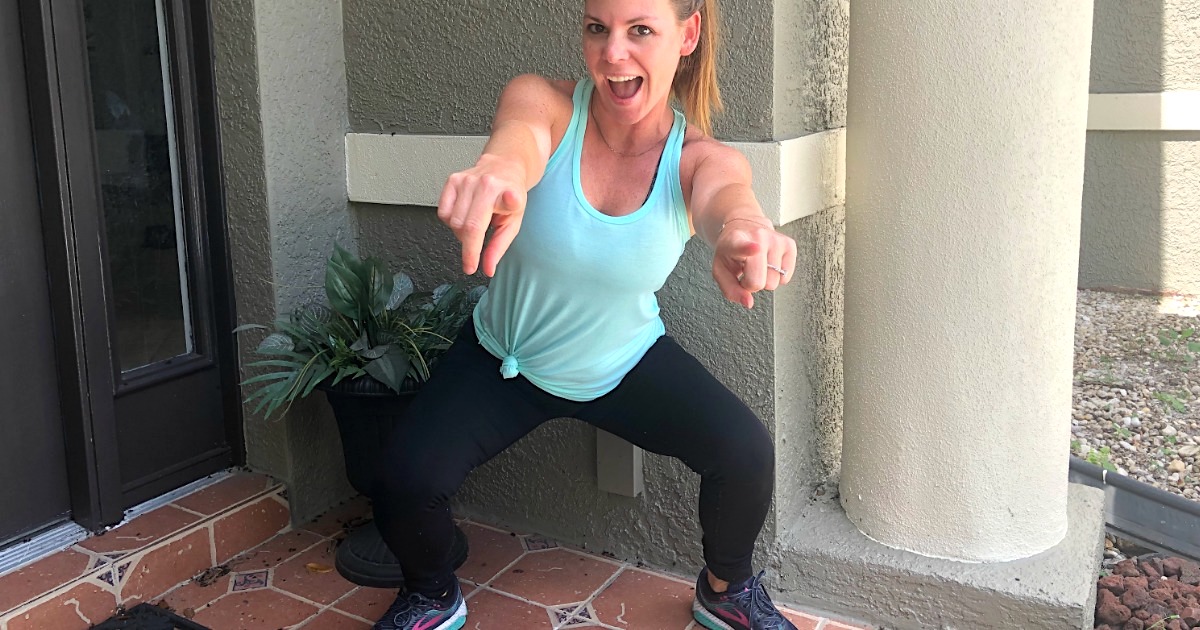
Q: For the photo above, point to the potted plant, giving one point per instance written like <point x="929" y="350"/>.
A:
<point x="369" y="346"/>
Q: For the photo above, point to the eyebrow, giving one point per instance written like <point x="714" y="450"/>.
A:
<point x="640" y="18"/>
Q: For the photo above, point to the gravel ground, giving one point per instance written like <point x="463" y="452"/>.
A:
<point x="1137" y="387"/>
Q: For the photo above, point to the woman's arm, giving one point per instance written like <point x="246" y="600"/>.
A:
<point x="531" y="114"/>
<point x="749" y="253"/>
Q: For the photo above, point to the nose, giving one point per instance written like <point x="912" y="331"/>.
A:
<point x="615" y="49"/>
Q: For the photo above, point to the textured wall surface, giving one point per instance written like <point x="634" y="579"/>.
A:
<point x="1141" y="212"/>
<point x="811" y="42"/>
<point x="808" y="365"/>
<point x="245" y="184"/>
<point x="1141" y="203"/>
<point x="1146" y="46"/>
<point x="438" y="68"/>
<point x="282" y="97"/>
<point x="960" y="292"/>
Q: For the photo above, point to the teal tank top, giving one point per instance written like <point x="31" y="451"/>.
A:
<point x="572" y="305"/>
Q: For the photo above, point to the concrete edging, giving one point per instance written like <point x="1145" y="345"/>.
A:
<point x="826" y="563"/>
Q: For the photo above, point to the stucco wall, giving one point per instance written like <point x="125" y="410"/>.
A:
<point x="1141" y="217"/>
<point x="243" y="168"/>
<point x="437" y="68"/>
<point x="811" y="42"/>
<point x="1145" y="46"/>
<point x="282" y="96"/>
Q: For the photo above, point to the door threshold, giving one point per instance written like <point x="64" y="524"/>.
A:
<point x="50" y="541"/>
<point x="62" y="536"/>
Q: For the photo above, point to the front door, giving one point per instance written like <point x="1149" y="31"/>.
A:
<point x="119" y="380"/>
<point x="167" y="385"/>
<point x="34" y="492"/>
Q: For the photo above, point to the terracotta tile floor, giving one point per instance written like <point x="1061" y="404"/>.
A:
<point x="226" y="557"/>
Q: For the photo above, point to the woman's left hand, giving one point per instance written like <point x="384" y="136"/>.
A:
<point x="750" y="257"/>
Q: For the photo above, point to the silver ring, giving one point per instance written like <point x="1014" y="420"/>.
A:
<point x="780" y="270"/>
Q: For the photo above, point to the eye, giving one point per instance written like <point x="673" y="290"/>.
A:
<point x="641" y="30"/>
<point x="594" y="28"/>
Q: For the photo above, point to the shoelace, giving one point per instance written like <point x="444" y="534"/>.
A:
<point x="754" y="598"/>
<point x="414" y="604"/>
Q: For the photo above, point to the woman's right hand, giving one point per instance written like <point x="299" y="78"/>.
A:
<point x="481" y="197"/>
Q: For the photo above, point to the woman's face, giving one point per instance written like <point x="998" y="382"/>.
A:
<point x="632" y="48"/>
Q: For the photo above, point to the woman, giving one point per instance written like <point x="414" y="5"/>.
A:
<point x="592" y="188"/>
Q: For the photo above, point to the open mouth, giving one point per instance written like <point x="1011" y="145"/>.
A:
<point x="624" y="87"/>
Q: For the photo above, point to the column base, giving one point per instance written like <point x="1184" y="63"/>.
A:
<point x="826" y="563"/>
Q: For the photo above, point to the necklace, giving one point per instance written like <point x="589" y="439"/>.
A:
<point x="624" y="155"/>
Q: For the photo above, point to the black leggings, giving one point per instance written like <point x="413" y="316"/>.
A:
<point x="668" y="404"/>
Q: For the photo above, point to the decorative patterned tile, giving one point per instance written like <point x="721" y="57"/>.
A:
<point x="533" y="542"/>
<point x="584" y="617"/>
<point x="107" y="578"/>
<point x="251" y="581"/>
<point x="562" y="613"/>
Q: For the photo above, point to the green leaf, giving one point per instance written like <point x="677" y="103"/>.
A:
<point x="360" y="344"/>
<point x="402" y="287"/>
<point x="317" y="379"/>
<point x="272" y="376"/>
<point x="1194" y="346"/>
<point x="1167" y="337"/>
<point x="1187" y="333"/>
<point x="390" y="369"/>
<point x="245" y="327"/>
<point x="343" y="290"/>
<point x="275" y="343"/>
<point x="376" y="352"/>
<point x="379" y="285"/>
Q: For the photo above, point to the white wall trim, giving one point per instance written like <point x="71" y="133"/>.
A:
<point x="1156" y="111"/>
<point x="793" y="178"/>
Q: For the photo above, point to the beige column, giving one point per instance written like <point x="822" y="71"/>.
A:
<point x="965" y="145"/>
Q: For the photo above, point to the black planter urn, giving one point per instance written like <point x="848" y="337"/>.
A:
<point x="367" y="411"/>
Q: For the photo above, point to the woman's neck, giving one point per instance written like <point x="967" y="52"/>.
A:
<point x="632" y="140"/>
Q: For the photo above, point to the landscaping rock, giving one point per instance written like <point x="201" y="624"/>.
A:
<point x="1155" y="598"/>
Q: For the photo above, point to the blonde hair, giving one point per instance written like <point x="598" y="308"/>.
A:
<point x="695" y="85"/>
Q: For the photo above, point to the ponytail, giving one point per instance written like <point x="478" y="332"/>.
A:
<point x="695" y="85"/>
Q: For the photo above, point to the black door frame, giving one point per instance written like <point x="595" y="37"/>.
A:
<point x="56" y="64"/>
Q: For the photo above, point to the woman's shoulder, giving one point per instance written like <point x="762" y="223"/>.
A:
<point x="535" y="88"/>
<point x="699" y="147"/>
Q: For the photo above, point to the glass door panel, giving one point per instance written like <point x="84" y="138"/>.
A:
<point x="139" y="170"/>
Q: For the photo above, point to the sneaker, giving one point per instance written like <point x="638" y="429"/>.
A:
<point x="414" y="611"/>
<point x="744" y="606"/>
